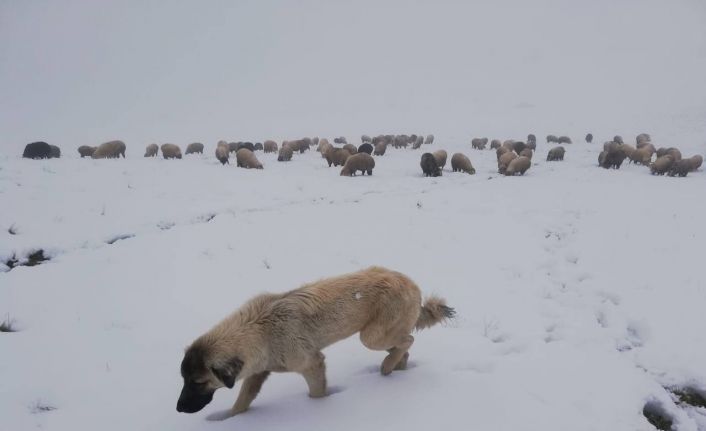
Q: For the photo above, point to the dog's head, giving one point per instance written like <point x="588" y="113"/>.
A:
<point x="202" y="376"/>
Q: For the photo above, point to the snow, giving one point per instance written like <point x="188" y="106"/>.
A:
<point x="578" y="290"/>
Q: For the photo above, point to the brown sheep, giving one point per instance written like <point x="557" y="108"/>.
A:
<point x="661" y="165"/>
<point x="552" y="139"/>
<point x="109" y="150"/>
<point x="505" y="160"/>
<point x="325" y="147"/>
<point x="526" y="153"/>
<point x="461" y="163"/>
<point x="641" y="156"/>
<point x="246" y="159"/>
<point x="358" y="162"/>
<point x="151" y="150"/>
<point x="555" y="154"/>
<point x="629" y="150"/>
<point x="509" y="143"/>
<point x="171" y="151"/>
<point x="518" y="165"/>
<point x="223" y="152"/>
<point x="269" y="146"/>
<point x="380" y="149"/>
<point x="532" y="145"/>
<point x="495" y="144"/>
<point x="642" y="139"/>
<point x="337" y="156"/>
<point x="502" y="150"/>
<point x="86" y="151"/>
<point x="440" y="157"/>
<point x="429" y="140"/>
<point x="696" y="162"/>
<point x="618" y="139"/>
<point x="563" y="140"/>
<point x="351" y="148"/>
<point x="479" y="143"/>
<point x="680" y="168"/>
<point x="294" y="145"/>
<point x="285" y="153"/>
<point x="196" y="147"/>
<point x="676" y="154"/>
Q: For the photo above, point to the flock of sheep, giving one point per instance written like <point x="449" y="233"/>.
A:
<point x="513" y="157"/>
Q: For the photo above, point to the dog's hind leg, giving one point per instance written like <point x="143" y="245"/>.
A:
<point x="248" y="391"/>
<point x="315" y="375"/>
<point x="397" y="357"/>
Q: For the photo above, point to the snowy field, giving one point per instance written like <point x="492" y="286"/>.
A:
<point x="579" y="291"/>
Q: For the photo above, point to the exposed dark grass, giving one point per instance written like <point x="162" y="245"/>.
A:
<point x="119" y="238"/>
<point x="12" y="230"/>
<point x="33" y="259"/>
<point x="656" y="415"/>
<point x="41" y="407"/>
<point x="690" y="396"/>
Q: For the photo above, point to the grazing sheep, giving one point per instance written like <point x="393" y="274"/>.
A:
<point x="518" y="146"/>
<point x="680" y="167"/>
<point x="351" y="148"/>
<point x="285" y="153"/>
<point x="246" y="145"/>
<point x="37" y="150"/>
<point x="589" y="138"/>
<point x="518" y="165"/>
<point x="440" y="157"/>
<point x="642" y="138"/>
<point x="662" y="152"/>
<point x="509" y="143"/>
<point x="400" y="141"/>
<point x="223" y="152"/>
<point x="233" y="146"/>
<point x="294" y="145"/>
<point x="601" y="158"/>
<point x="196" y="147"/>
<point x="337" y="156"/>
<point x="418" y="142"/>
<point x="618" y="139"/>
<point x="323" y="142"/>
<point x="245" y="158"/>
<point x="429" y="140"/>
<point x="325" y="147"/>
<point x="429" y="166"/>
<point x="505" y="160"/>
<point x="532" y="145"/>
<point x="307" y="144"/>
<point x="340" y="140"/>
<point x="365" y="148"/>
<point x="109" y="150"/>
<point x="495" y="144"/>
<point x="54" y="152"/>
<point x="696" y="162"/>
<point x="86" y="151"/>
<point x="152" y="150"/>
<point x="461" y="163"/>
<point x="479" y="143"/>
<point x="380" y="149"/>
<point x="676" y="154"/>
<point x="649" y="147"/>
<point x="270" y="146"/>
<point x="259" y="146"/>
<point x="502" y="150"/>
<point x="365" y="139"/>
<point x="315" y="140"/>
<point x="551" y="139"/>
<point x="171" y="151"/>
<point x="531" y="139"/>
<point x="363" y="162"/>
<point x="564" y="140"/>
<point x="527" y="152"/>
<point x="556" y="154"/>
<point x="614" y="155"/>
<point x="641" y="156"/>
<point x="662" y="165"/>
<point x="629" y="150"/>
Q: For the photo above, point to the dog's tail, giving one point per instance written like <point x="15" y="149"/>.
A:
<point x="434" y="311"/>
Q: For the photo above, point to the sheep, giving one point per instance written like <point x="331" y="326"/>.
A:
<point x="171" y="151"/>
<point x="270" y="146"/>
<point x="294" y="145"/>
<point x="223" y="152"/>
<point x="509" y="143"/>
<point x="110" y="150"/>
<point x="246" y="145"/>
<point x="363" y="162"/>
<point x="531" y="139"/>
<point x="618" y="139"/>
<point x="502" y="150"/>
<point x="696" y="162"/>
<point x="629" y="150"/>
<point x="642" y="138"/>
<point x="37" y="150"/>
<point x="680" y="167"/>
<point x="505" y="160"/>
<point x="429" y="140"/>
<point x="552" y="139"/>
<point x="661" y="165"/>
<point x="325" y="147"/>
<point x="315" y="140"/>
<point x="495" y="144"/>
<point x="285" y="153"/>
<point x="305" y="144"/>
<point x="380" y="149"/>
<point x="461" y="163"/>
<point x="641" y="156"/>
<point x="589" y="138"/>
<point x="323" y="143"/>
<point x="54" y="152"/>
<point x="337" y="156"/>
<point x="556" y="154"/>
<point x="412" y="139"/>
<point x="86" y="151"/>
<point x="233" y="146"/>
<point x="479" y="143"/>
<point x="365" y="139"/>
<point x="440" y="157"/>
<point x="649" y="147"/>
<point x="340" y="140"/>
<point x="400" y="141"/>
<point x="152" y="150"/>
<point x="518" y="165"/>
<point x="614" y="155"/>
<point x="365" y="148"/>
<point x="601" y="157"/>
<point x="245" y="158"/>
<point x="527" y="152"/>
<point x="532" y="145"/>
<point x="518" y="146"/>
<point x="351" y="148"/>
<point x="258" y="146"/>
<point x="196" y="147"/>
<point x="418" y="142"/>
<point x="676" y="154"/>
<point x="429" y="166"/>
<point x="563" y="140"/>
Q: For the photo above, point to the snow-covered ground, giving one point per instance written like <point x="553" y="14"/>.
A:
<point x="580" y="292"/>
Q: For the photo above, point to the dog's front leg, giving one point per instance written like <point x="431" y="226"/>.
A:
<point x="248" y="391"/>
<point x="315" y="375"/>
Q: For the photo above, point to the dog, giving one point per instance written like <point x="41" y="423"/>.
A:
<point x="286" y="333"/>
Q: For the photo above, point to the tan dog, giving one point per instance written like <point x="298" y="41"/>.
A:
<point x="287" y="331"/>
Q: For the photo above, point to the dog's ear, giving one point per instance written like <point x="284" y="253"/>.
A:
<point x="228" y="372"/>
